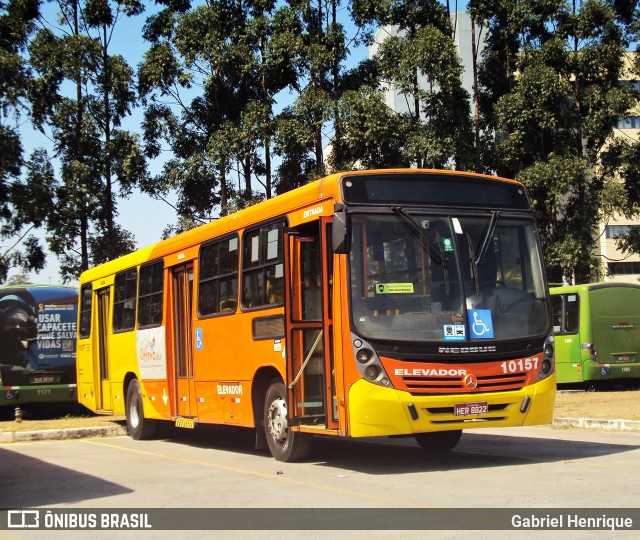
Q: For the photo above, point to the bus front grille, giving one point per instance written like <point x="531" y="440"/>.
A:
<point x="419" y="386"/>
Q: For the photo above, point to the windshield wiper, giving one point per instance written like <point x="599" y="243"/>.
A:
<point x="417" y="232"/>
<point x="476" y="261"/>
<point x="488" y="235"/>
<point x="474" y="264"/>
<point x="420" y="235"/>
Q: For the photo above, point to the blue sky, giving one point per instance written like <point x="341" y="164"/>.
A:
<point x="145" y="217"/>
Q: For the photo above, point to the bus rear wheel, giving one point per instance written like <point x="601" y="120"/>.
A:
<point x="439" y="441"/>
<point x="284" y="444"/>
<point x="138" y="426"/>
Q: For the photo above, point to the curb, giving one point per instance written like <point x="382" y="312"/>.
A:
<point x="596" y="424"/>
<point x="118" y="431"/>
<point x="61" y="434"/>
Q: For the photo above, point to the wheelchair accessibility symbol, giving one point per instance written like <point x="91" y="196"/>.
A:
<point x="199" y="342"/>
<point x="481" y="323"/>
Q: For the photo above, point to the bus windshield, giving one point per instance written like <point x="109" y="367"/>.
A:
<point x="427" y="277"/>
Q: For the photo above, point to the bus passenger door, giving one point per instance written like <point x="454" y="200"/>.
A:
<point x="310" y="374"/>
<point x="181" y="299"/>
<point x="104" y="401"/>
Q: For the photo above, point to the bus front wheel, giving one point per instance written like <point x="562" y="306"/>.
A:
<point x="438" y="441"/>
<point x="284" y="444"/>
<point x="138" y="426"/>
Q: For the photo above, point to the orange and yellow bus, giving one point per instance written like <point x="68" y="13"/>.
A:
<point x="369" y="303"/>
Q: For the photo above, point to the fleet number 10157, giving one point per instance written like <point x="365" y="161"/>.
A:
<point x="515" y="366"/>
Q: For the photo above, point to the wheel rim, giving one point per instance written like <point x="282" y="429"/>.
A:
<point x="134" y="417"/>
<point x="277" y="420"/>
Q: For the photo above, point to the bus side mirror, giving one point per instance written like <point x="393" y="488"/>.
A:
<point x="340" y="234"/>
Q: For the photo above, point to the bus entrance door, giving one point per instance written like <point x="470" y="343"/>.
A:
<point x="104" y="391"/>
<point x="182" y="303"/>
<point x="309" y="328"/>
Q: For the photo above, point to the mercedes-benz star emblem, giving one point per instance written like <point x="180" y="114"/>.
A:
<point x="470" y="382"/>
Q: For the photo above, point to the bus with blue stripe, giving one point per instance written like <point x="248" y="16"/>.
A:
<point x="37" y="344"/>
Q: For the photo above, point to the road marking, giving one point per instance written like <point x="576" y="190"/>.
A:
<point x="270" y="476"/>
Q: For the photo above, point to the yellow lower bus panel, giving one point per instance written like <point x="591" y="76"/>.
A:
<point x="378" y="411"/>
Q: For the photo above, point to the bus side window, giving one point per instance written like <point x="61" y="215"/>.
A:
<point x="86" y="296"/>
<point x="556" y="306"/>
<point x="124" y="301"/>
<point x="572" y="314"/>
<point x="150" y="294"/>
<point x="218" y="277"/>
<point x="263" y="266"/>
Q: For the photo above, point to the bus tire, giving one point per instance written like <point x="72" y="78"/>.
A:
<point x="438" y="441"/>
<point x="138" y="426"/>
<point x="284" y="444"/>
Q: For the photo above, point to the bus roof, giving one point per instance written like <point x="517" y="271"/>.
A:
<point x="591" y="287"/>
<point x="35" y="286"/>
<point x="327" y="188"/>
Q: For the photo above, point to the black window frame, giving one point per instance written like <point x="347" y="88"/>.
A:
<point x="623" y="268"/>
<point x="264" y="268"/>
<point x="218" y="277"/>
<point x="85" y="310"/>
<point x="565" y="316"/>
<point x="154" y="295"/>
<point x="120" y="302"/>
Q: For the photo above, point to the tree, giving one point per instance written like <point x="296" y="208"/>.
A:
<point x="112" y="100"/>
<point x="372" y="135"/>
<point x="420" y="60"/>
<point x="92" y="149"/>
<point x="192" y="49"/>
<point x="21" y="209"/>
<point x="312" y="123"/>
<point x="233" y="58"/>
<point x="550" y="90"/>
<point x="18" y="279"/>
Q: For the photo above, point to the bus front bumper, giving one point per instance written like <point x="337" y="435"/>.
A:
<point x="378" y="411"/>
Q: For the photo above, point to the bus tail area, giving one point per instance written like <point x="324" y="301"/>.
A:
<point x="370" y="303"/>
<point x="597" y="329"/>
<point x="37" y="344"/>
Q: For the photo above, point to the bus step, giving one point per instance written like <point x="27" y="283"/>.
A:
<point x="312" y="419"/>
<point x="188" y="423"/>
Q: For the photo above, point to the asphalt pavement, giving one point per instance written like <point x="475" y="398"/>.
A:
<point x="118" y="430"/>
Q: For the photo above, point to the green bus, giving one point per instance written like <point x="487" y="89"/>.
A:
<point x="38" y="344"/>
<point x="597" y="333"/>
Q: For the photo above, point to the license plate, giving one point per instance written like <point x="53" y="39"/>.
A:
<point x="466" y="409"/>
<point x="42" y="379"/>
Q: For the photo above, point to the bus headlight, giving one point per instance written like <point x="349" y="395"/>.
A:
<point x="548" y="359"/>
<point x="364" y="355"/>
<point x="368" y="363"/>
<point x="371" y="373"/>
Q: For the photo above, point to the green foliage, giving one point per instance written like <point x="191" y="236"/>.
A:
<point x="372" y="134"/>
<point x="424" y="65"/>
<point x="213" y="73"/>
<point x="550" y="88"/>
<point x="17" y="218"/>
<point x="98" y="160"/>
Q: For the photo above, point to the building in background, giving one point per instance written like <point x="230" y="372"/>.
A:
<point x="462" y="39"/>
<point x="619" y="266"/>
